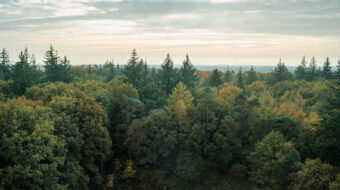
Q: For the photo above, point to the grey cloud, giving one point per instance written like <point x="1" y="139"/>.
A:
<point x="302" y="17"/>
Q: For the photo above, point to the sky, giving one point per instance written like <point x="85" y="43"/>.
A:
<point x="212" y="32"/>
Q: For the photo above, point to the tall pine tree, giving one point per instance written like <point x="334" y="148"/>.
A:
<point x="215" y="78"/>
<point x="300" y="71"/>
<point x="134" y="70"/>
<point x="312" y="71"/>
<point x="251" y="75"/>
<point x="329" y="145"/>
<point x="25" y="73"/>
<point x="280" y="73"/>
<point x="56" y="69"/>
<point x="187" y="73"/>
<point x="4" y="65"/>
<point x="337" y="72"/>
<point x="227" y="76"/>
<point x="168" y="76"/>
<point x="327" y="69"/>
<point x="239" y="79"/>
<point x="145" y="78"/>
<point x="110" y="70"/>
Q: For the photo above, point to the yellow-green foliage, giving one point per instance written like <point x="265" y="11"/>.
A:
<point x="128" y="172"/>
<point x="117" y="89"/>
<point x="257" y="87"/>
<point x="292" y="111"/>
<point x="180" y="100"/>
<point x="92" y="87"/>
<point x="227" y="95"/>
<point x="28" y="141"/>
<point x="46" y="92"/>
<point x="314" y="175"/>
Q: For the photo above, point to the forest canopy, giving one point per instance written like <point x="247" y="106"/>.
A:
<point x="131" y="126"/>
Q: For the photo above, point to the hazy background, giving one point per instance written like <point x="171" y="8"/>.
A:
<point x="212" y="32"/>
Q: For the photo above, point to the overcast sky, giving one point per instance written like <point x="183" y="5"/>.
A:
<point x="223" y="32"/>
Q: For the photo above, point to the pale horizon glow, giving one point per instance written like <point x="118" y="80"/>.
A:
<point x="212" y="32"/>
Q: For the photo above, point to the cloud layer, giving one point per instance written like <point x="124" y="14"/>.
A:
<point x="212" y="31"/>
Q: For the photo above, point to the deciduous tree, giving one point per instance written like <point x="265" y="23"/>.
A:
<point x="273" y="162"/>
<point x="313" y="175"/>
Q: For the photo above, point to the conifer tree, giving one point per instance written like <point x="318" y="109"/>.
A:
<point x="180" y="93"/>
<point x="280" y="72"/>
<point x="56" y="69"/>
<point x="207" y="109"/>
<point x="312" y="71"/>
<point x="239" y="79"/>
<point x="330" y="139"/>
<point x="215" y="78"/>
<point x="64" y="67"/>
<point x="251" y="75"/>
<point x="228" y="76"/>
<point x="168" y="76"/>
<point x="134" y="70"/>
<point x="300" y="71"/>
<point x="337" y="72"/>
<point x="25" y="74"/>
<point x="187" y="73"/>
<point x="110" y="67"/>
<point x="4" y="65"/>
<point x="327" y="69"/>
<point x="153" y="74"/>
<point x="145" y="78"/>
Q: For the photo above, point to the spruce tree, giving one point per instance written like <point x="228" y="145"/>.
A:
<point x="110" y="73"/>
<point x="327" y="69"/>
<point x="329" y="145"/>
<point x="251" y="75"/>
<point x="145" y="78"/>
<point x="227" y="76"/>
<point x="215" y="78"/>
<point x="153" y="75"/>
<point x="337" y="72"/>
<point x="187" y="72"/>
<point x="56" y="69"/>
<point x="25" y="73"/>
<point x="168" y="76"/>
<point x="134" y="70"/>
<point x="239" y="79"/>
<point x="280" y="72"/>
<point x="51" y="61"/>
<point x="207" y="109"/>
<point x="312" y="71"/>
<point x="64" y="68"/>
<point x="4" y="65"/>
<point x="300" y="71"/>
